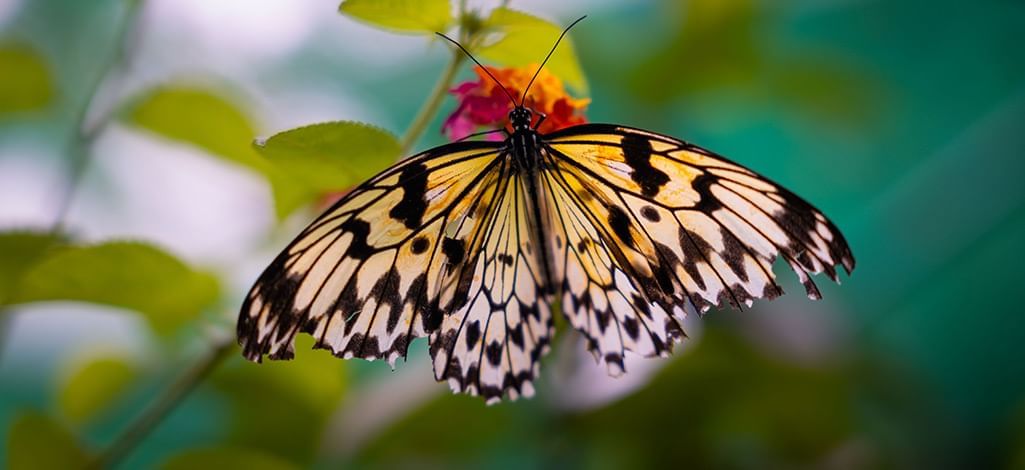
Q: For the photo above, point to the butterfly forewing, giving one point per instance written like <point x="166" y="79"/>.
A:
<point x="683" y="226"/>
<point x="369" y="275"/>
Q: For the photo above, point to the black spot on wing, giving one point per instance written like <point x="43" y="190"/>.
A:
<point x="733" y="253"/>
<point x="419" y="245"/>
<point x="702" y="185"/>
<point x="454" y="250"/>
<point x="620" y="224"/>
<point x="695" y="250"/>
<point x="472" y="334"/>
<point x="494" y="353"/>
<point x="637" y="150"/>
<point x="410" y="210"/>
<point x="358" y="247"/>
<point x="650" y="213"/>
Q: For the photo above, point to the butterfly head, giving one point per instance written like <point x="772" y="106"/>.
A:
<point x="520" y="118"/>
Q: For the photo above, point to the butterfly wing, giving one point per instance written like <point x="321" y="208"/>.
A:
<point x="493" y="340"/>
<point x="658" y="226"/>
<point x="378" y="268"/>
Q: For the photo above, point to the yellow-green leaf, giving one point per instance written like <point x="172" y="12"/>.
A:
<point x="525" y="39"/>
<point x="407" y="16"/>
<point x="25" y="82"/>
<point x="331" y="156"/>
<point x="208" y="121"/>
<point x="227" y="457"/>
<point x="37" y="441"/>
<point x="19" y="252"/>
<point x="200" y="118"/>
<point x="132" y="275"/>
<point x="92" y="386"/>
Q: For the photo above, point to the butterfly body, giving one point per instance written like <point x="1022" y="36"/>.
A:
<point x="470" y="244"/>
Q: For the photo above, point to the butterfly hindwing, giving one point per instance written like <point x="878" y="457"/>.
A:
<point x="492" y="342"/>
<point x="371" y="273"/>
<point x="673" y="227"/>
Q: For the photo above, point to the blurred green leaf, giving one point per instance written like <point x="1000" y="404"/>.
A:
<point x="526" y="39"/>
<point x="125" y="274"/>
<point x="739" y="407"/>
<point x="226" y="457"/>
<point x="283" y="407"/>
<point x="200" y="118"/>
<point x="25" y="83"/>
<point x="332" y="156"/>
<point x="723" y="405"/>
<point x="289" y="193"/>
<point x="714" y="46"/>
<point x="407" y="16"/>
<point x="210" y="122"/>
<point x="825" y="89"/>
<point x="37" y="441"/>
<point x="93" y="385"/>
<point x="19" y="252"/>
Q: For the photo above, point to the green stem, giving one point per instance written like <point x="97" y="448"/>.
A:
<point x="84" y="133"/>
<point x="430" y="107"/>
<point x="166" y="402"/>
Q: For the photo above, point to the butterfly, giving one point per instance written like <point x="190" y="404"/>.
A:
<point x="471" y="243"/>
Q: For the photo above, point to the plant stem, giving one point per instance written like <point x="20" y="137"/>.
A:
<point x="84" y="133"/>
<point x="430" y="107"/>
<point x="164" y="403"/>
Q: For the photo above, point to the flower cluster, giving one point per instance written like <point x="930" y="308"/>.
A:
<point x="482" y="103"/>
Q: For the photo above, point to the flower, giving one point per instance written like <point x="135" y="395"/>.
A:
<point x="482" y="103"/>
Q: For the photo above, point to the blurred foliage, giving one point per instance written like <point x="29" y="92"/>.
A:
<point x="92" y="385"/>
<point x="723" y="405"/>
<point x="29" y="89"/>
<point x="723" y="44"/>
<point x="20" y="252"/>
<point x="204" y="119"/>
<point x="297" y="396"/>
<point x="133" y="275"/>
<point x="520" y="42"/>
<point x="331" y="156"/>
<point x="226" y="457"/>
<point x="407" y="16"/>
<point x="37" y="442"/>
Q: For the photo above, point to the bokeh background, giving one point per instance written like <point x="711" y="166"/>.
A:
<point x="901" y="120"/>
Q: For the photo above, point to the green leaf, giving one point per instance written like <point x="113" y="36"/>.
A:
<point x="283" y="407"/>
<point x="331" y="156"/>
<point x="200" y="118"/>
<point x="124" y="274"/>
<point x="406" y="16"/>
<point x="206" y="120"/>
<point x="19" y="252"/>
<point x="526" y="39"/>
<point x="37" y="441"/>
<point x="289" y="193"/>
<point x="226" y="457"/>
<point x="93" y="385"/>
<point x="25" y="83"/>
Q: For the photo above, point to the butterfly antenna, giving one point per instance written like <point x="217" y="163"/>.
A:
<point x="557" y="41"/>
<point x="482" y="67"/>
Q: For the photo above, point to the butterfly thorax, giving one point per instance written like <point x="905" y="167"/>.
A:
<point x="524" y="142"/>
